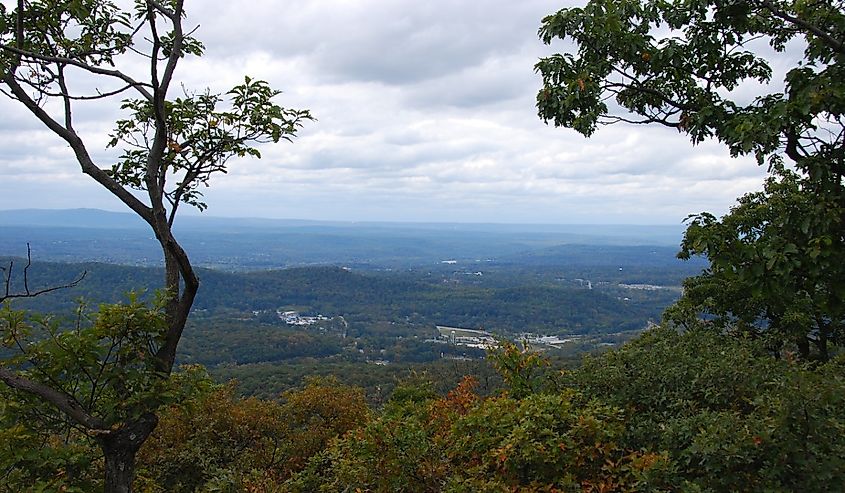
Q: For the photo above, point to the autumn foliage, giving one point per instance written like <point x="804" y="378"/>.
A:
<point x="219" y="440"/>
<point x="670" y="411"/>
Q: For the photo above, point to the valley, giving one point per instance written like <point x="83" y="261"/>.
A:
<point x="374" y="294"/>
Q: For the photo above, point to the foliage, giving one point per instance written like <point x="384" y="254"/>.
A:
<point x="104" y="361"/>
<point x="36" y="459"/>
<point x="549" y="442"/>
<point x="202" y="138"/>
<point x="791" y="284"/>
<point x="521" y="369"/>
<point x="217" y="440"/>
<point x="461" y="442"/>
<point x="678" y="64"/>
<point x="403" y="449"/>
<point x="671" y="411"/>
<point x="378" y="381"/>
<point x="693" y="411"/>
<point x="730" y="417"/>
<point x="316" y="414"/>
<point x="213" y="438"/>
<point x="684" y="64"/>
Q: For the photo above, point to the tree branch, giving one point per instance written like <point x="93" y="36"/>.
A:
<point x="65" y="99"/>
<point x="829" y="40"/>
<point x="164" y="10"/>
<point x="18" y="35"/>
<point x="610" y="119"/>
<point x="176" y="49"/>
<point x="27" y="292"/>
<point x="60" y="400"/>
<point x="99" y="95"/>
<point x="138" y="86"/>
<point x="85" y="161"/>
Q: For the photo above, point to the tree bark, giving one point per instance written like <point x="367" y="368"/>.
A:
<point x="119" y="449"/>
<point x="821" y="343"/>
<point x="804" y="348"/>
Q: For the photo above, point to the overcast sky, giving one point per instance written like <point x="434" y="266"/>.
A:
<point x="425" y="113"/>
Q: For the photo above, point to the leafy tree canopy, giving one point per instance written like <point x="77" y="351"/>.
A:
<point x="776" y="268"/>
<point x="99" y="367"/>
<point x="679" y="64"/>
<point x="686" y="64"/>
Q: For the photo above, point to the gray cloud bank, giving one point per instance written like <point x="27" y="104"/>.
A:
<point x="425" y="113"/>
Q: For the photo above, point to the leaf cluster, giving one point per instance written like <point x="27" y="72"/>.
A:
<point x="775" y="267"/>
<point x="105" y="360"/>
<point x="88" y="31"/>
<point x="679" y="64"/>
<point x="201" y="137"/>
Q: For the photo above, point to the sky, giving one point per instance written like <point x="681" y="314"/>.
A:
<point x="425" y="113"/>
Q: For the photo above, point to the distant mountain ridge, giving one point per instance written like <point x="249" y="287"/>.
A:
<point x="72" y="218"/>
<point x="82" y="235"/>
<point x="97" y="218"/>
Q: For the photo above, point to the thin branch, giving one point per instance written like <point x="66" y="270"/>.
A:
<point x="637" y="85"/>
<point x="33" y="294"/>
<point x="96" y="388"/>
<point x="99" y="95"/>
<point x="829" y="40"/>
<point x="138" y="86"/>
<point x="66" y="99"/>
<point x="79" y="364"/>
<point x="610" y="119"/>
<point x="27" y="292"/>
<point x="60" y="400"/>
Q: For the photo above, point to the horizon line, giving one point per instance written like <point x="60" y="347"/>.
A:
<point x="354" y="221"/>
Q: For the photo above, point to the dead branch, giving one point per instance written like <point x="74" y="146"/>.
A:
<point x="27" y="292"/>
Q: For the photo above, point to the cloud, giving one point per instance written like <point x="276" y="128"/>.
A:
<point x="395" y="42"/>
<point x="425" y="113"/>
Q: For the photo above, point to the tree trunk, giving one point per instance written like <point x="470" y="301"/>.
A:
<point x="804" y="348"/>
<point x="119" y="449"/>
<point x="120" y="469"/>
<point x="824" y="355"/>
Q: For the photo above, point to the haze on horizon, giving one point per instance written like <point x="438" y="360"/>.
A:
<point x="102" y="218"/>
<point x="425" y="114"/>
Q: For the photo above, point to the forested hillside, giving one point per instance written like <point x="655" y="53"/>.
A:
<point x="423" y="357"/>
<point x="387" y="314"/>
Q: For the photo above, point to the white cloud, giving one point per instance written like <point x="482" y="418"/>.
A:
<point x="425" y="112"/>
